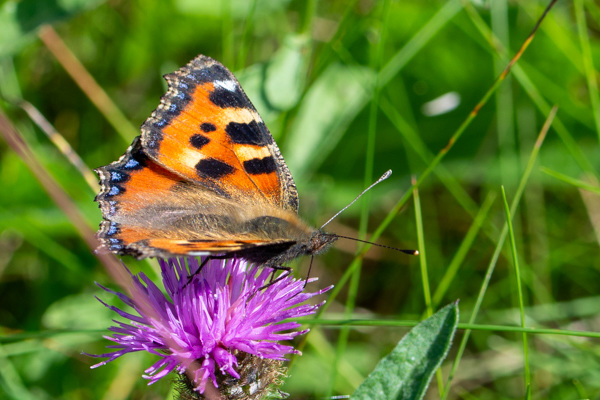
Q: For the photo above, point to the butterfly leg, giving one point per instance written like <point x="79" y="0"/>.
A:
<point x="202" y="264"/>
<point x="274" y="280"/>
<point x="308" y="273"/>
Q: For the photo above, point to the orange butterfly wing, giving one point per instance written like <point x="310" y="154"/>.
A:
<point x="206" y="130"/>
<point x="205" y="177"/>
<point x="143" y="205"/>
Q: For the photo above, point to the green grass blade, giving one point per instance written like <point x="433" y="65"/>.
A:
<point x="422" y="252"/>
<point x="463" y="250"/>
<point x="368" y="174"/>
<point x="588" y="62"/>
<point x="497" y="250"/>
<point x="513" y="246"/>
<point x="458" y="133"/>
<point x="571" y="181"/>
<point x="425" y="34"/>
<point x="531" y="89"/>
<point x="10" y="382"/>
<point x="88" y="84"/>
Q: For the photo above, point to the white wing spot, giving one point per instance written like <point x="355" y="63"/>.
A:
<point x="227" y="85"/>
<point x="198" y="253"/>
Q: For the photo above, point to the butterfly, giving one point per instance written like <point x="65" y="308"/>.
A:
<point x="204" y="178"/>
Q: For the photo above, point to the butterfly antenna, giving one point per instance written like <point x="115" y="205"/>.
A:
<point x="382" y="178"/>
<point x="405" y="251"/>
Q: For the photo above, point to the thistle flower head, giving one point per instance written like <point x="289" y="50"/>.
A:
<point x="207" y="318"/>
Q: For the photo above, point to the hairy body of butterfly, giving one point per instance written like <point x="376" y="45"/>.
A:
<point x="204" y="178"/>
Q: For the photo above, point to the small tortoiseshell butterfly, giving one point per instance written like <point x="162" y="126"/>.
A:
<point x="204" y="178"/>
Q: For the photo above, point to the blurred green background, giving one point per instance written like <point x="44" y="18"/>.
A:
<point x="347" y="90"/>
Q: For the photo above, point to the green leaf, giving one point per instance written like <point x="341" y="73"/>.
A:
<point x="20" y="19"/>
<point x="80" y="311"/>
<point x="238" y="9"/>
<point x="252" y="80"/>
<point x="286" y="72"/>
<point x="406" y="372"/>
<point x="331" y="103"/>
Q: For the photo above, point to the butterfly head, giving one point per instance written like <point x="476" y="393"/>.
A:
<point x="315" y="243"/>
<point x="320" y="241"/>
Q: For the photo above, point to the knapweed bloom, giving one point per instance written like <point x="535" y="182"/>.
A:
<point x="209" y="320"/>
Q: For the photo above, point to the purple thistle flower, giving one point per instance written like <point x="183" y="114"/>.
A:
<point x="204" y="321"/>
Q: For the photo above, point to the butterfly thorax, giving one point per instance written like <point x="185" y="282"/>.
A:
<point x="289" y="238"/>
<point x="318" y="242"/>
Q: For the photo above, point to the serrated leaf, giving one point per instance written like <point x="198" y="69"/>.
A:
<point x="407" y="371"/>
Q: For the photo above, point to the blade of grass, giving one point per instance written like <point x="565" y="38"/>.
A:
<point x="571" y="181"/>
<point x="347" y="371"/>
<point x="592" y="205"/>
<point x="423" y="265"/>
<point x="588" y="62"/>
<point x="555" y="91"/>
<point x="458" y="133"/>
<point x="21" y="148"/>
<point x="298" y="162"/>
<point x="450" y="182"/>
<point x="418" y="146"/>
<point x="592" y="9"/>
<point x="37" y="238"/>
<point x="531" y="90"/>
<point x="227" y="33"/>
<point x="563" y="133"/>
<point x="513" y="246"/>
<point x="441" y="154"/>
<point x="395" y="323"/>
<point x="556" y="30"/>
<point x="505" y="129"/>
<point x="580" y="389"/>
<point x="422" y="252"/>
<point x="555" y="312"/>
<point x="117" y="271"/>
<point x="373" y="109"/>
<point x="418" y="41"/>
<point x="368" y="178"/>
<point x="335" y="42"/>
<point x="331" y="323"/>
<point x="11" y="381"/>
<point x="342" y="340"/>
<point x="61" y="144"/>
<point x="244" y="39"/>
<point x="535" y="220"/>
<point x="308" y="16"/>
<point x="463" y="249"/>
<point x="416" y="143"/>
<point x="494" y="259"/>
<point x="88" y="84"/>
